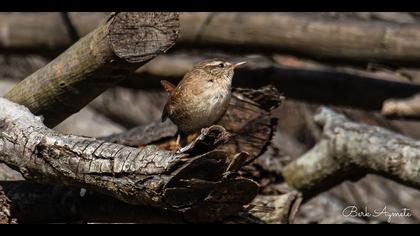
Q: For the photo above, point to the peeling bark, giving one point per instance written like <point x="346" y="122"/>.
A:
<point x="348" y="151"/>
<point x="190" y="184"/>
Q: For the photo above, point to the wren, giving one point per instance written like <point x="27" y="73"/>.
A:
<point x="201" y="98"/>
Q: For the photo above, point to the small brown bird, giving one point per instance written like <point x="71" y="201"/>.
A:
<point x="201" y="98"/>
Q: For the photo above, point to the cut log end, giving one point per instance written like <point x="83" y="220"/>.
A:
<point x="138" y="37"/>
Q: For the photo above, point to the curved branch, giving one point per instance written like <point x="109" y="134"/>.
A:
<point x="349" y="150"/>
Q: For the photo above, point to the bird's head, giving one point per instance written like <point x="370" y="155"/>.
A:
<point x="218" y="68"/>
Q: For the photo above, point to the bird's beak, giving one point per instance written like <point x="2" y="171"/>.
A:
<point x="238" y="64"/>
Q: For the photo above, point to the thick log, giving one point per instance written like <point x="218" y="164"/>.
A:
<point x="198" y="183"/>
<point x="350" y="150"/>
<point x="96" y="62"/>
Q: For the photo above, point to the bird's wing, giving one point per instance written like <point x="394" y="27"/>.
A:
<point x="168" y="86"/>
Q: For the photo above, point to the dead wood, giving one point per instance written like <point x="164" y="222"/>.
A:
<point x="350" y="150"/>
<point x="145" y="176"/>
<point x="190" y="183"/>
<point x="96" y="62"/>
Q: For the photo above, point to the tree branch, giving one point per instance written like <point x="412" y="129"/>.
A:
<point x="146" y="176"/>
<point x="195" y="183"/>
<point x="349" y="150"/>
<point x="95" y="63"/>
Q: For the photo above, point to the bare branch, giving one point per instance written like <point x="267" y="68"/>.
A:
<point x="349" y="150"/>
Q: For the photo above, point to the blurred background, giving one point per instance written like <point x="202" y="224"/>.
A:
<point x="354" y="62"/>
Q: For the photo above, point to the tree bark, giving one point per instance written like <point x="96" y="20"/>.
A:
<point x="191" y="183"/>
<point x="349" y="150"/>
<point x="192" y="173"/>
<point x="96" y="62"/>
<point x="200" y="183"/>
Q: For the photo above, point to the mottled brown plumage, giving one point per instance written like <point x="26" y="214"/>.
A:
<point x="202" y="96"/>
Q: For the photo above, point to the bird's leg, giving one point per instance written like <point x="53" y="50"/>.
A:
<point x="178" y="142"/>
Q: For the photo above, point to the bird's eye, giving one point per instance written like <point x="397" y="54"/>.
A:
<point x="221" y="65"/>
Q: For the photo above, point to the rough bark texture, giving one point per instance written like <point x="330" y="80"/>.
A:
<point x="95" y="63"/>
<point x="147" y="176"/>
<point x="201" y="183"/>
<point x="350" y="150"/>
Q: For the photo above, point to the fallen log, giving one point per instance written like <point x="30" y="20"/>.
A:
<point x="190" y="183"/>
<point x="143" y="176"/>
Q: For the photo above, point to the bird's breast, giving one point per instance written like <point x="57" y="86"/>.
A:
<point x="202" y="111"/>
